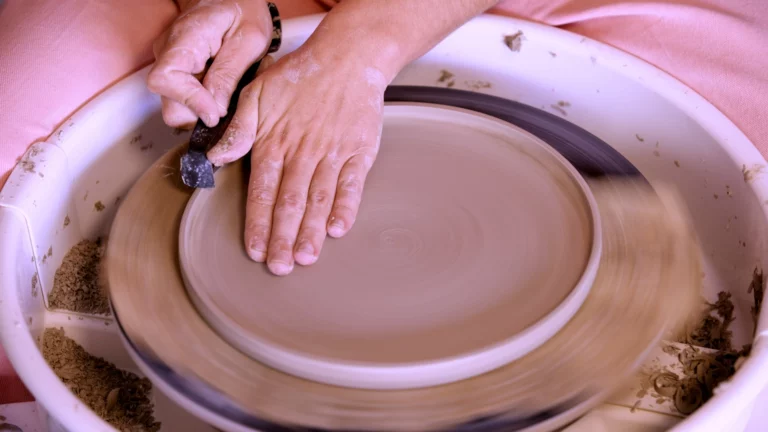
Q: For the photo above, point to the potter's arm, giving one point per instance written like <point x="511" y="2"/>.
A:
<point x="389" y="34"/>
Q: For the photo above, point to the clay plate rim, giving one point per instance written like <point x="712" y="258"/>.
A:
<point x="401" y="376"/>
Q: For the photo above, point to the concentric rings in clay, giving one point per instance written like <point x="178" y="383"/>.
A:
<point x="647" y="283"/>
<point x="470" y="250"/>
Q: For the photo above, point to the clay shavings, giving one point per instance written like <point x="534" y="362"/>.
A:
<point x="76" y="282"/>
<point x="119" y="397"/>
<point x="702" y="371"/>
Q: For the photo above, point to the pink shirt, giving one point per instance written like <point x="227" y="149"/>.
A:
<point x="58" y="55"/>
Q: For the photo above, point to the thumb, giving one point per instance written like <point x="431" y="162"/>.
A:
<point x="241" y="132"/>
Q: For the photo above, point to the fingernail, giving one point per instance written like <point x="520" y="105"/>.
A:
<point x="214" y="159"/>
<point x="257" y="250"/>
<point x="336" y="228"/>
<point x="280" y="268"/>
<point x="210" y="120"/>
<point x="305" y="254"/>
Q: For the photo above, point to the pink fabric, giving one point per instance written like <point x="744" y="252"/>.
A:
<point x="58" y="55"/>
<point x="717" y="47"/>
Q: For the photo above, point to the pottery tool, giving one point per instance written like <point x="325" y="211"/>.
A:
<point x="196" y="170"/>
<point x="646" y="279"/>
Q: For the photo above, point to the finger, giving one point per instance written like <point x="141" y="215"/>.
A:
<point x="241" y="132"/>
<point x="177" y="115"/>
<point x="312" y="233"/>
<point x="266" y="170"/>
<point x="183" y="52"/>
<point x="172" y="77"/>
<point x="236" y="55"/>
<point x="349" y="193"/>
<point x="288" y="213"/>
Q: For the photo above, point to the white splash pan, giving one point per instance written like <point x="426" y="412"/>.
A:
<point x="104" y="147"/>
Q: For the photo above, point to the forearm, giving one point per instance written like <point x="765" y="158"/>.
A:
<point x="389" y="34"/>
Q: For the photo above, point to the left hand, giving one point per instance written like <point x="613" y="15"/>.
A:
<point x="231" y="34"/>
<point x="314" y="124"/>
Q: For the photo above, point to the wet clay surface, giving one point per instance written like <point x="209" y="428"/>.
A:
<point x="452" y="252"/>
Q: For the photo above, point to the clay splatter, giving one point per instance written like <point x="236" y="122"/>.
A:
<point x="514" y="41"/>
<point x="639" y="138"/>
<point x="136" y="139"/>
<point x="728" y="191"/>
<point x="28" y="166"/>
<point x="444" y="76"/>
<point x="559" y="109"/>
<point x="34" y="284"/>
<point x="66" y="221"/>
<point x="750" y="173"/>
<point x="85" y="197"/>
<point x="757" y="289"/>
<point x="713" y="330"/>
<point x="477" y="85"/>
<point x="98" y="206"/>
<point x="553" y="54"/>
<point x="148" y="146"/>
<point x="677" y="163"/>
<point x="50" y="251"/>
<point x="563" y="104"/>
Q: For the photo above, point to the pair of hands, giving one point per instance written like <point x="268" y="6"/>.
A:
<point x="312" y="120"/>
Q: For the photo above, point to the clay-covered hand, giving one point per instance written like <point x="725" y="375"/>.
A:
<point x="313" y="123"/>
<point x="234" y="33"/>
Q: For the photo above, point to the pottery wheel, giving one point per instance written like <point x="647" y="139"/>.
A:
<point x="648" y="279"/>
<point x="449" y="271"/>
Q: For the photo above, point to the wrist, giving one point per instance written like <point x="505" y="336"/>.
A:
<point x="359" y="48"/>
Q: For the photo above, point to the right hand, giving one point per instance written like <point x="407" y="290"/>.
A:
<point x="234" y="33"/>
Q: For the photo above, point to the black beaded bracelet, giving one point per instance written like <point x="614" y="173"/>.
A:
<point x="277" y="28"/>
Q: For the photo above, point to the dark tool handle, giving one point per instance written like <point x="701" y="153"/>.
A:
<point x="204" y="137"/>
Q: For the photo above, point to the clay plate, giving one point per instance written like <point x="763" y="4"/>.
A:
<point x="475" y="243"/>
<point x="648" y="278"/>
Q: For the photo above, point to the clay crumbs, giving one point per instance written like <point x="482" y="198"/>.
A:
<point x="119" y="397"/>
<point x="703" y="371"/>
<point x="76" y="282"/>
